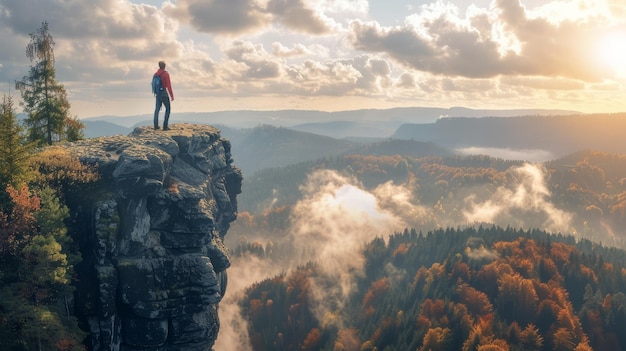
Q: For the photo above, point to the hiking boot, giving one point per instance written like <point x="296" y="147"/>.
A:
<point x="156" y="127"/>
<point x="166" y="128"/>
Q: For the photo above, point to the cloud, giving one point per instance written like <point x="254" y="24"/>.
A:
<point x="103" y="41"/>
<point x="110" y="20"/>
<point x="524" y="203"/>
<point x="244" y="271"/>
<point x="335" y="218"/>
<point x="233" y="333"/>
<point x="394" y="274"/>
<point x="399" y="200"/>
<point x="296" y="15"/>
<point x="117" y="69"/>
<point x="322" y="54"/>
<point x="241" y="16"/>
<point x="251" y="69"/>
<point x="547" y="47"/>
<point x="507" y="40"/>
<point x="617" y="8"/>
<point x="105" y="51"/>
<point x="12" y="49"/>
<point x="257" y="62"/>
<point x="331" y="223"/>
<point x="280" y="50"/>
<point x="438" y="46"/>
<point x="475" y="249"/>
<point x="406" y="81"/>
<point x="480" y="253"/>
<point x="220" y="16"/>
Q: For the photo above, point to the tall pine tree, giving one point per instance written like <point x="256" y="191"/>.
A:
<point x="45" y="99"/>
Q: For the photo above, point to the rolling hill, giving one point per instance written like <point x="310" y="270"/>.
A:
<point x="559" y="135"/>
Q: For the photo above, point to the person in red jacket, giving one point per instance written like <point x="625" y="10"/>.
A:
<point x="162" y="97"/>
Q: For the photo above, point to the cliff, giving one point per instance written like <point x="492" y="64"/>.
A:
<point x="151" y="238"/>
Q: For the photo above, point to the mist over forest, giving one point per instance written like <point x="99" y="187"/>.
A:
<point x="329" y="210"/>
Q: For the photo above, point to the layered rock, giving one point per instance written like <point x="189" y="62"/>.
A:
<point x="151" y="237"/>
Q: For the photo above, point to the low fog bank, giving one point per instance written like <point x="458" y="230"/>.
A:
<point x="329" y="226"/>
<point x="530" y="155"/>
<point x="336" y="216"/>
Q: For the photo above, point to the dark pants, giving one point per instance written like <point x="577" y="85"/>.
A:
<point x="162" y="99"/>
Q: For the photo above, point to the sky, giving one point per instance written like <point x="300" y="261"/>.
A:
<point x="327" y="55"/>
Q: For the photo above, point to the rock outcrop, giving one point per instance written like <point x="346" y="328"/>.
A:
<point x="151" y="238"/>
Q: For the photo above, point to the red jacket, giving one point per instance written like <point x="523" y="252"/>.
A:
<point x="165" y="81"/>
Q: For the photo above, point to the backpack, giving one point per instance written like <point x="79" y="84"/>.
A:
<point x="157" y="87"/>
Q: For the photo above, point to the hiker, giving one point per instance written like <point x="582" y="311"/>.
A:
<point x="161" y="85"/>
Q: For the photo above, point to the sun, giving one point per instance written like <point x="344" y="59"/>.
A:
<point x="612" y="53"/>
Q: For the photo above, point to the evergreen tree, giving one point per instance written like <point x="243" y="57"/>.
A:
<point x="45" y="100"/>
<point x="15" y="155"/>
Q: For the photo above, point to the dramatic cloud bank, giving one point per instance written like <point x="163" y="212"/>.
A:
<point x="328" y="54"/>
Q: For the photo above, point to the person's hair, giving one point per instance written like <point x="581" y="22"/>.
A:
<point x="162" y="64"/>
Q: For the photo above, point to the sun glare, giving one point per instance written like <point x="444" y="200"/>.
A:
<point x="612" y="52"/>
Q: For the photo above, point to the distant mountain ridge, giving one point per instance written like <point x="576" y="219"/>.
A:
<point x="560" y="135"/>
<point x="378" y="123"/>
<point x="267" y="139"/>
<point x="269" y="146"/>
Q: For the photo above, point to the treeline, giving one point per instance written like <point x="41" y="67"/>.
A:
<point x="283" y="183"/>
<point x="590" y="186"/>
<point x="471" y="289"/>
<point x="558" y="134"/>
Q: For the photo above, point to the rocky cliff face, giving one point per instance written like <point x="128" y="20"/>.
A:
<point x="154" y="263"/>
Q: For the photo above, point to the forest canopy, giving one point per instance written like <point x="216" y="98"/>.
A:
<point x="473" y="289"/>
